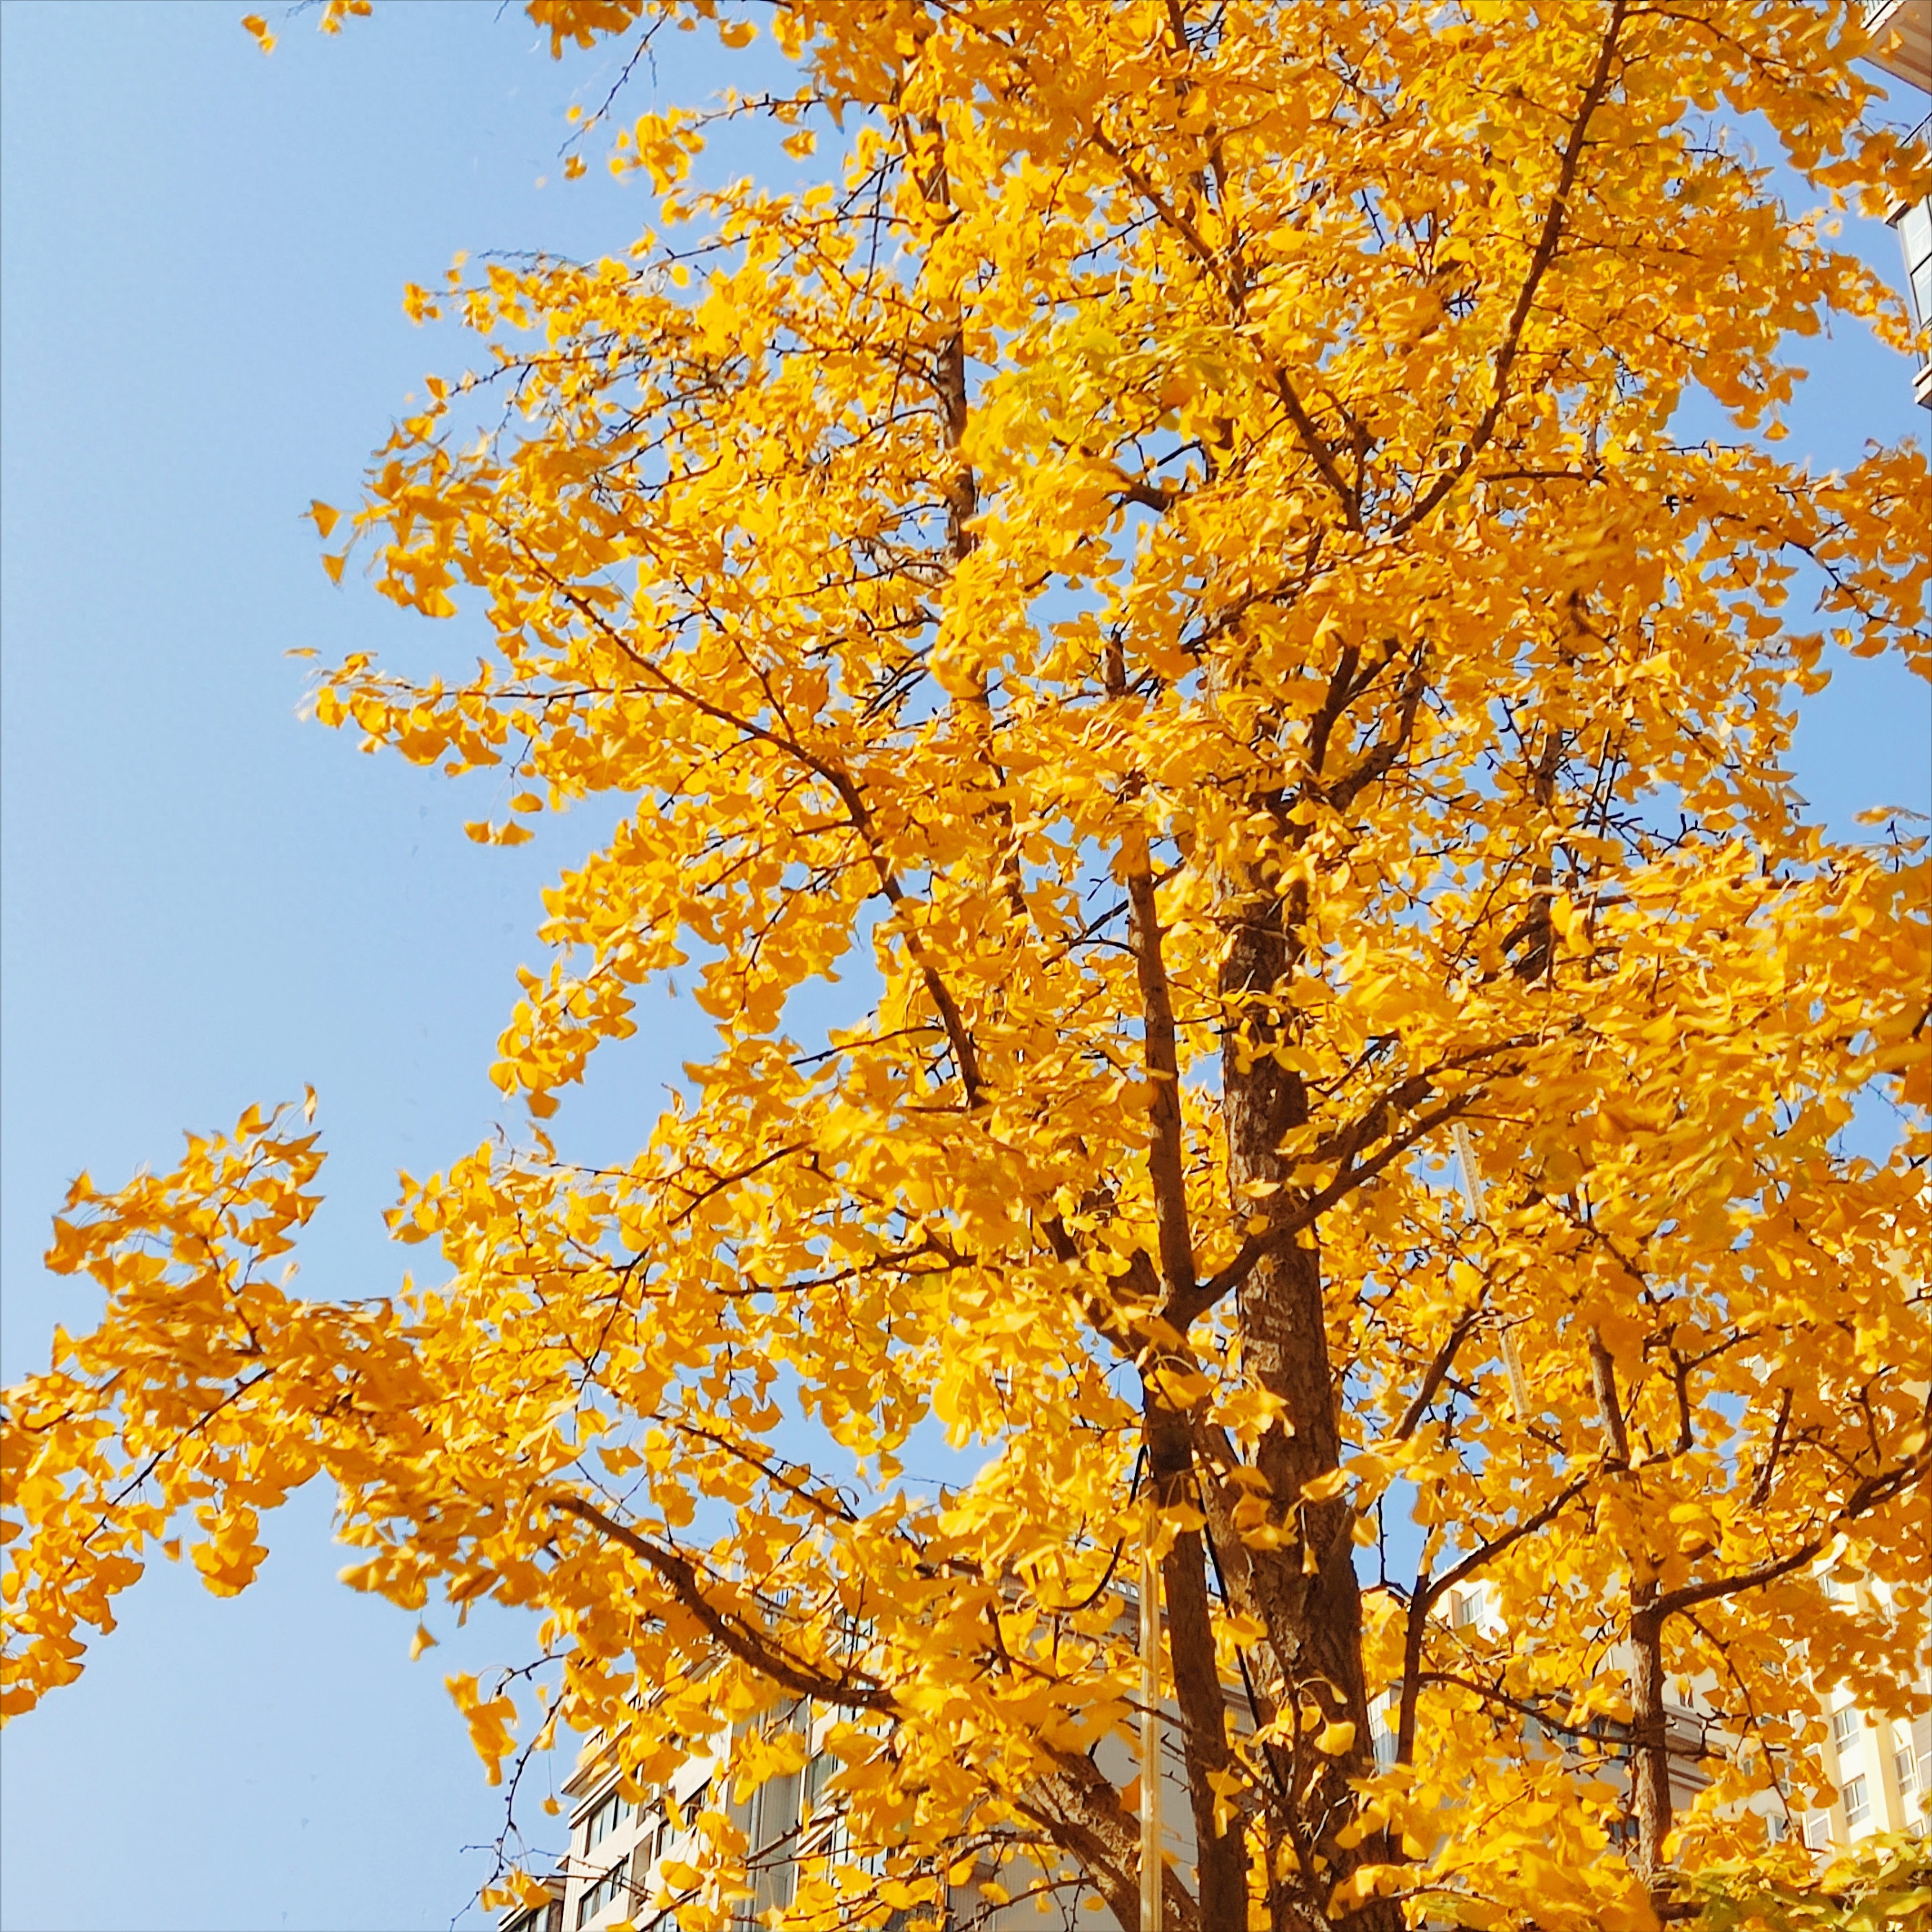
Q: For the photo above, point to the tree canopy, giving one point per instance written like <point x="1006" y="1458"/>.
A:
<point x="1171" y="563"/>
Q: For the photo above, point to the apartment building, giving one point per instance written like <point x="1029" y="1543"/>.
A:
<point x="1902" y="31"/>
<point x="1880" y="1770"/>
<point x="1601" y="1748"/>
<point x="615" y="1871"/>
<point x="547" y="1917"/>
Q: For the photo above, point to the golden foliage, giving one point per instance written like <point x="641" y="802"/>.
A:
<point x="1170" y="566"/>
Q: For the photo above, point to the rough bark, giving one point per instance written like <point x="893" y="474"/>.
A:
<point x="1650" y="1736"/>
<point x="1221" y="1857"/>
<point x="1306" y="1592"/>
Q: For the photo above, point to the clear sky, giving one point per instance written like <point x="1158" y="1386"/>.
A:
<point x="207" y="902"/>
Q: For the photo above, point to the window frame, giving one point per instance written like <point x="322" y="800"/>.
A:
<point x="602" y="1892"/>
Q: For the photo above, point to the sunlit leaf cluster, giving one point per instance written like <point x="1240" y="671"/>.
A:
<point x="1168" y="573"/>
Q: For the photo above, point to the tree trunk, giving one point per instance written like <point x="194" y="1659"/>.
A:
<point x="1221" y="1857"/>
<point x="1650" y="1738"/>
<point x="1307" y="1593"/>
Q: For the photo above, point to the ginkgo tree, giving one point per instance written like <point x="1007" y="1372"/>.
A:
<point x="1170" y="563"/>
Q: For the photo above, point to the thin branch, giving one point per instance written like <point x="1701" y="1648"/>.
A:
<point x="1539" y="266"/>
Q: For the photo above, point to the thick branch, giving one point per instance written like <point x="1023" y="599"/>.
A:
<point x="1438" y="1369"/>
<point x="1079" y="1808"/>
<point x="731" y="1632"/>
<point x="1166" y="1161"/>
<point x="1283" y="1228"/>
<point x="1221" y="1861"/>
<point x="1876" y="1489"/>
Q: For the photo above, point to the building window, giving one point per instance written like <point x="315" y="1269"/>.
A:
<point x="818" y="1771"/>
<point x="1844" y="1725"/>
<point x="1858" y="1803"/>
<point x="607" y="1888"/>
<point x="1462" y="1609"/>
<point x="1818" y="1830"/>
<point x="1612" y="1738"/>
<point x="602" y="1822"/>
<point x="1915" y="231"/>
<point x="1905" y="1767"/>
<point x="1777" y="1828"/>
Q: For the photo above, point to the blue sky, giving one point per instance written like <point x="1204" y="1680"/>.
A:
<point x="207" y="902"/>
